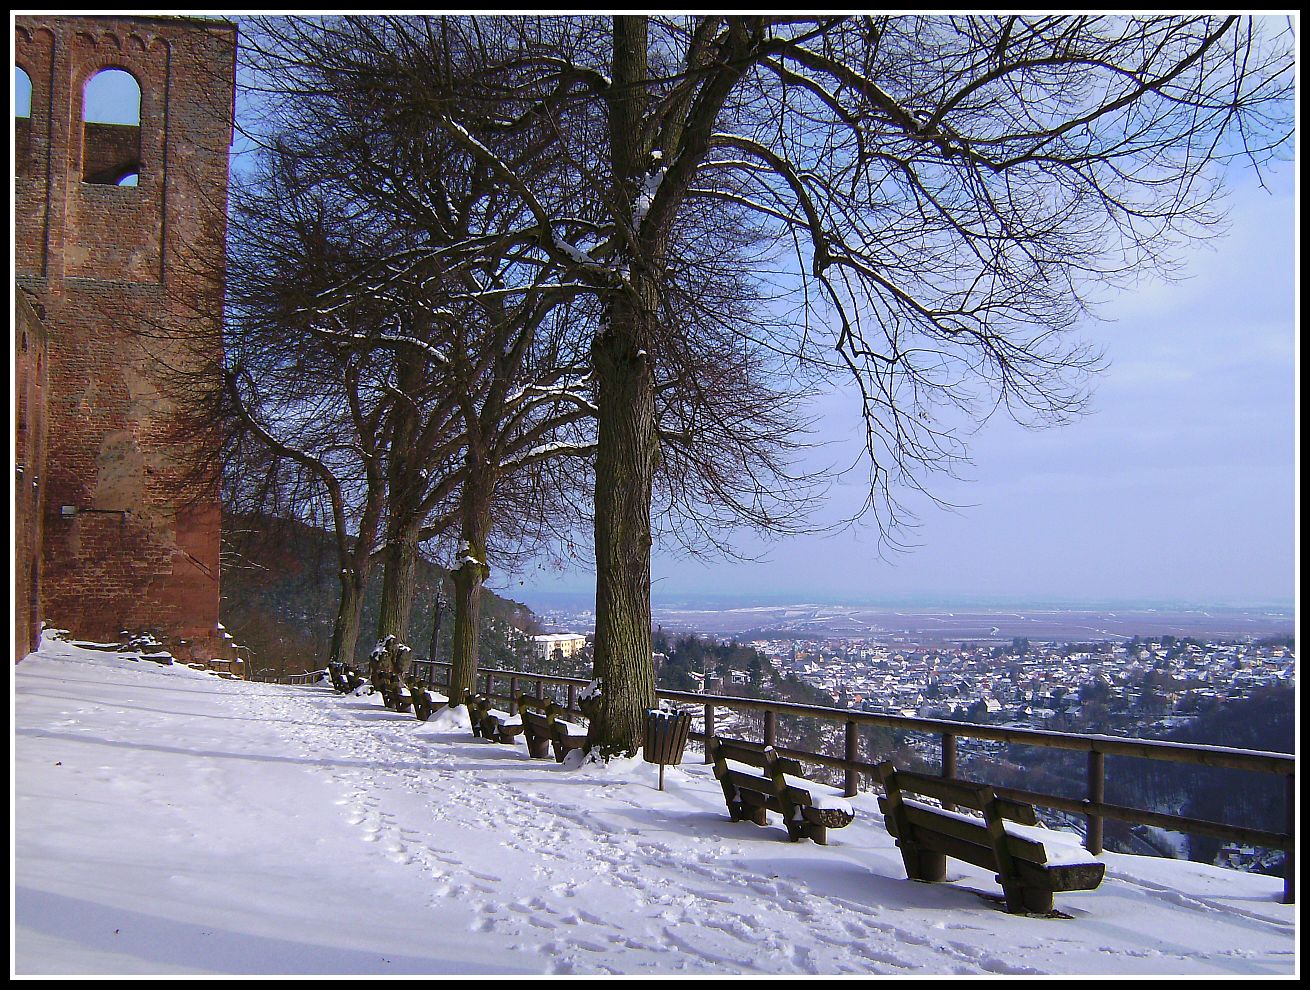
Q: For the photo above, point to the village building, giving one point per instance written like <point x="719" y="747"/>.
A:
<point x="568" y="644"/>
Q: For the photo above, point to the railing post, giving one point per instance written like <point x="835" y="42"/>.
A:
<point x="488" y="691"/>
<point x="949" y="761"/>
<point x="573" y="697"/>
<point x="770" y="727"/>
<point x="709" y="730"/>
<point x="1289" y="861"/>
<point x="1095" y="794"/>
<point x="852" y="755"/>
<point x="541" y="689"/>
<point x="513" y="695"/>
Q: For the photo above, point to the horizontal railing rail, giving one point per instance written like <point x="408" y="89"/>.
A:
<point x="308" y="677"/>
<point x="1097" y="747"/>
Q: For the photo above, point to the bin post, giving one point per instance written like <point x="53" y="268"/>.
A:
<point x="852" y="756"/>
<point x="949" y="761"/>
<point x="1096" y="795"/>
<point x="1289" y="861"/>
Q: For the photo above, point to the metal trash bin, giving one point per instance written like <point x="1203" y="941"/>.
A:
<point x="666" y="738"/>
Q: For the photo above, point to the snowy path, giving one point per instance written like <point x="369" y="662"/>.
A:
<point x="167" y="821"/>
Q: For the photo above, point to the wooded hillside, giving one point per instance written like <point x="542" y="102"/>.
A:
<point x="279" y="598"/>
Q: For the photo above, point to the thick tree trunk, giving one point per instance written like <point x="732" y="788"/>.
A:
<point x="398" y="586"/>
<point x="404" y="492"/>
<point x="627" y="445"/>
<point x="470" y="572"/>
<point x="467" y="580"/>
<point x="356" y="568"/>
<point x="627" y="450"/>
<point x="345" y="631"/>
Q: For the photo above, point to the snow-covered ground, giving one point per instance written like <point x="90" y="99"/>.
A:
<point x="167" y="821"/>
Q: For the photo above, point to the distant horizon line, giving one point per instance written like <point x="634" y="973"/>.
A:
<point x="779" y="599"/>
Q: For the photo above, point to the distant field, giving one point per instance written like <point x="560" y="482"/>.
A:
<point x="980" y="625"/>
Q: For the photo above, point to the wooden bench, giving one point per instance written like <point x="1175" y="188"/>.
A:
<point x="488" y="723"/>
<point x="756" y="780"/>
<point x="394" y="694"/>
<point x="337" y="674"/>
<point x="1029" y="873"/>
<point x="354" y="681"/>
<point x="546" y="731"/>
<point x="423" y="704"/>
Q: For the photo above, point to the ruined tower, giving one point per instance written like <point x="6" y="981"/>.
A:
<point x="119" y="232"/>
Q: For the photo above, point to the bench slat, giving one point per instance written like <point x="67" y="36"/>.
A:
<point x="747" y="782"/>
<point x="964" y="792"/>
<point x="741" y="754"/>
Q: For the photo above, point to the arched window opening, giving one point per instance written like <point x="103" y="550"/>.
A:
<point x="22" y="118"/>
<point x="22" y="93"/>
<point x="111" y="128"/>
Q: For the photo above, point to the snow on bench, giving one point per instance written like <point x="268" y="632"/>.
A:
<point x="1031" y="864"/>
<point x="546" y="732"/>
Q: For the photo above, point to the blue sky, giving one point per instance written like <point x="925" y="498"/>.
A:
<point x="1179" y="486"/>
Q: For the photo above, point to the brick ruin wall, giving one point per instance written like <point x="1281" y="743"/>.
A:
<point x="31" y="363"/>
<point x="128" y="283"/>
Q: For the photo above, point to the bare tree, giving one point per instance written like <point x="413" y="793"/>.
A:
<point x="512" y="330"/>
<point x="955" y="189"/>
<point x="475" y="372"/>
<point x="318" y="411"/>
<point x="944" y="197"/>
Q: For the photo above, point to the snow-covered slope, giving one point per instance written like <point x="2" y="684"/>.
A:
<point x="167" y="821"/>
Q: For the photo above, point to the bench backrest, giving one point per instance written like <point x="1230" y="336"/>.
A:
<point x="537" y="706"/>
<point x="962" y="793"/>
<point x="546" y="720"/>
<point x="985" y="843"/>
<point x="741" y="751"/>
<point x="772" y="766"/>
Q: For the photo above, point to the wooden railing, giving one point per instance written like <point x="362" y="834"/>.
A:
<point x="308" y="677"/>
<point x="268" y="675"/>
<point x="1093" y="807"/>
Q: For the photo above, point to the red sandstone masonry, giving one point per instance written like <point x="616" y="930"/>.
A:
<point x="120" y="274"/>
<point x="31" y="379"/>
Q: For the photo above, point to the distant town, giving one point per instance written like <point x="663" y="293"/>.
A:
<point x="1088" y="687"/>
<point x="1109" y="681"/>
